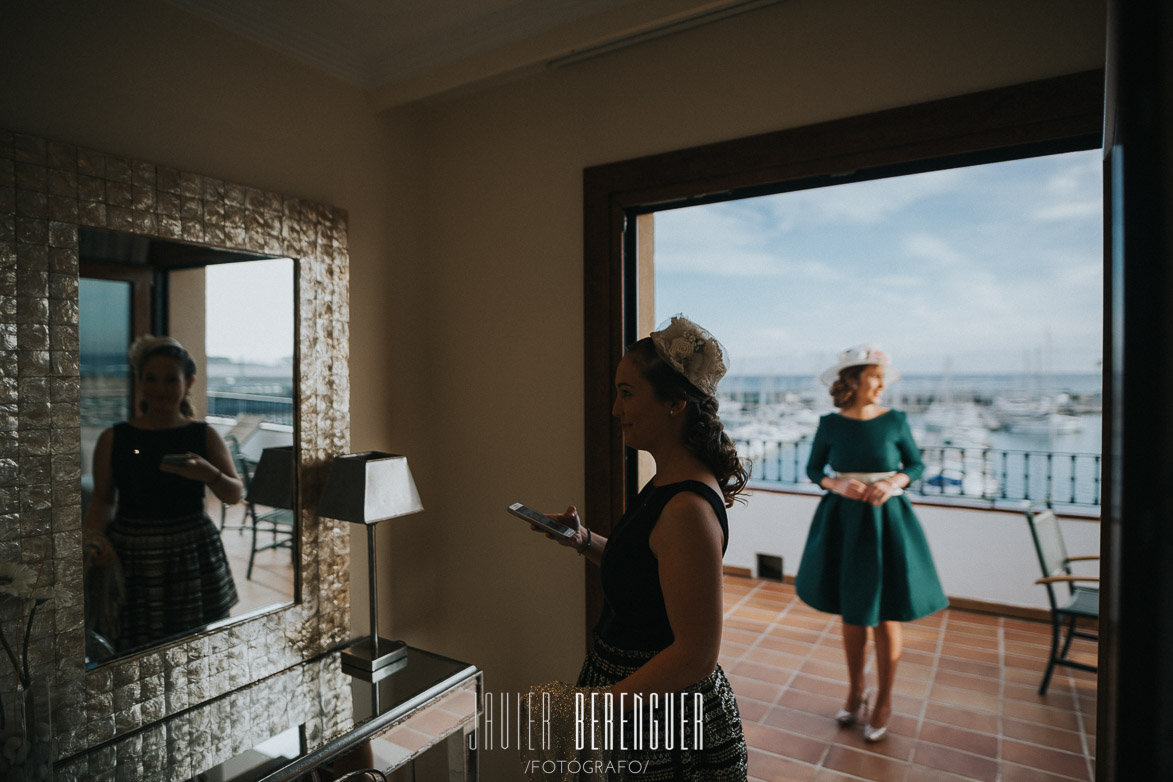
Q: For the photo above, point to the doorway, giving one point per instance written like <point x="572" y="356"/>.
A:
<point x="1049" y="117"/>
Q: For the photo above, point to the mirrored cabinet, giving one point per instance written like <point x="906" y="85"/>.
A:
<point x="311" y="723"/>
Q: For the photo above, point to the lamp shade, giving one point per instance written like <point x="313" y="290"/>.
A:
<point x="272" y="481"/>
<point x="369" y="487"/>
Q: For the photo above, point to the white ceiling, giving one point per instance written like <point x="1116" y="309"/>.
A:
<point x="406" y="50"/>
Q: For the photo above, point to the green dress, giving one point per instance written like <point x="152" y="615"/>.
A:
<point x="868" y="563"/>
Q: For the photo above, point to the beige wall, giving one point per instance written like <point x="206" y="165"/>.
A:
<point x="188" y="321"/>
<point x="466" y="236"/>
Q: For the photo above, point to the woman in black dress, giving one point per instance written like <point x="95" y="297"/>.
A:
<point x="660" y="631"/>
<point x="147" y="515"/>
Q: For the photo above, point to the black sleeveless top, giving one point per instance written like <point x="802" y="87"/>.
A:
<point x="634" y="616"/>
<point x="144" y="491"/>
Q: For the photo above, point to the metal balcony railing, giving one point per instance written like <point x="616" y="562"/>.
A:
<point x="275" y="409"/>
<point x="992" y="475"/>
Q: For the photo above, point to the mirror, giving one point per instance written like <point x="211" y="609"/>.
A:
<point x="61" y="189"/>
<point x="233" y="313"/>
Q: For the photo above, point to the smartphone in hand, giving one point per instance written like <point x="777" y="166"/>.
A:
<point x="540" y="520"/>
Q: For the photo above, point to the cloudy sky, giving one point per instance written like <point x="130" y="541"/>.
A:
<point x="250" y="310"/>
<point x="995" y="268"/>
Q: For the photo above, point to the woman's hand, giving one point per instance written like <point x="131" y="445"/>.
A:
<point x="570" y="519"/>
<point x="847" y="487"/>
<point x="104" y="554"/>
<point x="880" y="492"/>
<point x="195" y="468"/>
<point x="97" y="545"/>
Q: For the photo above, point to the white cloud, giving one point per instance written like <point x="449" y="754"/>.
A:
<point x="1070" y="210"/>
<point x="1074" y="174"/>
<point x="866" y="203"/>
<point x="725" y="241"/>
<point x="934" y="249"/>
<point x="1072" y="191"/>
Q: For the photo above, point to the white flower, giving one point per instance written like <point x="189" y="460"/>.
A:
<point x="16" y="579"/>
<point x="681" y="349"/>
<point x="691" y="351"/>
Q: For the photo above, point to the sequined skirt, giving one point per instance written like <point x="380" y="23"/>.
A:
<point x="717" y="755"/>
<point x="176" y="574"/>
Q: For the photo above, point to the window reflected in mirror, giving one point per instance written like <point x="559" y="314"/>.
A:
<point x="106" y="328"/>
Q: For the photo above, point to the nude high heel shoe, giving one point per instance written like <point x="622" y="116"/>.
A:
<point x="846" y="717"/>
<point x="873" y="734"/>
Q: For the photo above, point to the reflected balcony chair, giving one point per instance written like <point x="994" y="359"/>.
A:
<point x="244" y="471"/>
<point x="270" y="483"/>
<point x="1073" y="607"/>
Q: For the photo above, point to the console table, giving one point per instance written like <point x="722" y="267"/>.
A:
<point x="311" y="722"/>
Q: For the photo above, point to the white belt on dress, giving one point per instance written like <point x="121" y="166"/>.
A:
<point x="869" y="478"/>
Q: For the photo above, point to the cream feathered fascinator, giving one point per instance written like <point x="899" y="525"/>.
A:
<point x="145" y="346"/>
<point x="691" y="351"/>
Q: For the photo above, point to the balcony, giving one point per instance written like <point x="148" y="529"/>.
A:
<point x="966" y="705"/>
<point x="969" y="502"/>
<point x="968" y="475"/>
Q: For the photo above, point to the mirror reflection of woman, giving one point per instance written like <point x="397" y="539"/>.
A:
<point x="147" y="516"/>
<point x="866" y="557"/>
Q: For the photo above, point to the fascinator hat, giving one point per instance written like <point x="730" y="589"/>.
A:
<point x="691" y="351"/>
<point x="147" y="344"/>
<point x="861" y="355"/>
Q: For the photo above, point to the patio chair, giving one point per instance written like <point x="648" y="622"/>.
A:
<point x="242" y="469"/>
<point x="279" y="522"/>
<point x="1078" y="603"/>
<point x="272" y="489"/>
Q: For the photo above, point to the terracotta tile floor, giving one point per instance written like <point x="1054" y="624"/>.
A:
<point x="966" y="703"/>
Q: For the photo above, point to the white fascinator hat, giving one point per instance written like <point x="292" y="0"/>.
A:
<point x="145" y="346"/>
<point x="691" y="351"/>
<point x="861" y="355"/>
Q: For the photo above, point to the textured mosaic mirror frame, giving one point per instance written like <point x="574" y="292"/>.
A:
<point x="47" y="190"/>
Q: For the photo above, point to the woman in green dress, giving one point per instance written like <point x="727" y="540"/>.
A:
<point x="866" y="557"/>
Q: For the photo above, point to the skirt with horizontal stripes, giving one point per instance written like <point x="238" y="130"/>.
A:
<point x="718" y="755"/>
<point x="176" y="574"/>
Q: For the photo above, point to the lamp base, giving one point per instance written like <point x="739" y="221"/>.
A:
<point x="376" y="675"/>
<point x="359" y="655"/>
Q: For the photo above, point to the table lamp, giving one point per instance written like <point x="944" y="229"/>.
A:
<point x="366" y="488"/>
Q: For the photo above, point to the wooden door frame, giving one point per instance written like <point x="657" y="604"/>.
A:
<point x="1134" y="722"/>
<point x="1053" y="115"/>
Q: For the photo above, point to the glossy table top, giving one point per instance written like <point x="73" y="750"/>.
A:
<point x="282" y="727"/>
